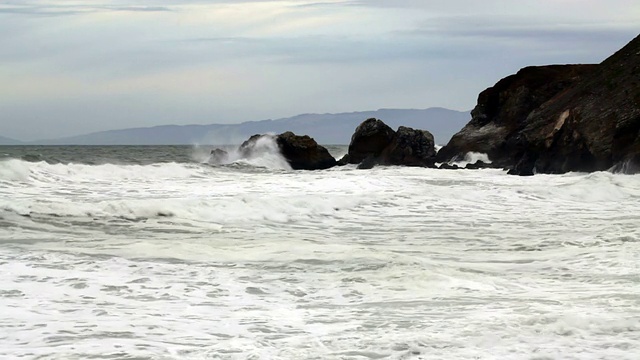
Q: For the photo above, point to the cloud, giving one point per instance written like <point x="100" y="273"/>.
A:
<point x="147" y="62"/>
<point x="35" y="9"/>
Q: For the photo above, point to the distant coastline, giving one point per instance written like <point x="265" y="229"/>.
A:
<point x="334" y="129"/>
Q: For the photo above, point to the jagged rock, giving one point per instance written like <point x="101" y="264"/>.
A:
<point x="304" y="153"/>
<point x="524" y="166"/>
<point x="344" y="160"/>
<point x="410" y="147"/>
<point x="448" y="166"/>
<point x="502" y="111"/>
<point x="630" y="165"/>
<point x="369" y="163"/>
<point x="370" y="139"/>
<point x="301" y="152"/>
<point x="593" y="126"/>
<point x="218" y="156"/>
<point x="249" y="145"/>
<point x="555" y="119"/>
<point x="479" y="165"/>
<point x="375" y="143"/>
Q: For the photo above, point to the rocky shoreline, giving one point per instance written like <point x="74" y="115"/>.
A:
<point x="544" y="119"/>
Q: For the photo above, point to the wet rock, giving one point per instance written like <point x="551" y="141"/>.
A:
<point x="479" y="165"/>
<point x="448" y="166"/>
<point x="593" y="126"/>
<point x="304" y="153"/>
<point x="369" y="139"/>
<point x="524" y="167"/>
<point x="375" y="143"/>
<point x="301" y="152"/>
<point x="410" y="147"/>
<point x="502" y="111"/>
<point x="369" y="163"/>
<point x="218" y="156"/>
<point x="344" y="160"/>
<point x="560" y="118"/>
<point x="248" y="147"/>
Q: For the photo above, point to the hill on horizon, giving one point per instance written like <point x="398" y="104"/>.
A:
<point x="9" y="141"/>
<point x="325" y="128"/>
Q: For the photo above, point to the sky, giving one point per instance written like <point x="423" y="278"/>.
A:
<point x="74" y="67"/>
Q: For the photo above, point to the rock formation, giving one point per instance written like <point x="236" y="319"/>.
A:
<point x="304" y="153"/>
<point x="301" y="152"/>
<point x="410" y="147"/>
<point x="502" y="111"/>
<point x="593" y="126"/>
<point x="555" y="119"/>
<point x="370" y="138"/>
<point x="375" y="143"/>
<point x="218" y="156"/>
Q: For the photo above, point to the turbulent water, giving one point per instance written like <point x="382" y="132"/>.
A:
<point x="152" y="253"/>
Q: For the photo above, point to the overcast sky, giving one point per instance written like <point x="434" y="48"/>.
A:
<point x="72" y="67"/>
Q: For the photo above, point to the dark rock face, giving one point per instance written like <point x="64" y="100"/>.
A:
<point x="368" y="163"/>
<point x="555" y="119"/>
<point x="480" y="165"/>
<point x="593" y="126"/>
<point x="301" y="152"/>
<point x="410" y="148"/>
<point x="448" y="166"/>
<point x="304" y="153"/>
<point x="375" y="143"/>
<point x="370" y="139"/>
<point x="502" y="110"/>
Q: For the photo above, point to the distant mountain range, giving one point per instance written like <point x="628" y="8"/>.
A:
<point x="325" y="128"/>
<point x="8" y="141"/>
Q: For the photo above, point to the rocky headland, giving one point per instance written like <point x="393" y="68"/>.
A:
<point x="556" y="119"/>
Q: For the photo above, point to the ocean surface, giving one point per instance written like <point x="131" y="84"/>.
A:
<point x="152" y="253"/>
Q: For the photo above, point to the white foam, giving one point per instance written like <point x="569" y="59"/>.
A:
<point x="264" y="153"/>
<point x="194" y="261"/>
<point x="14" y="170"/>
<point x="472" y="157"/>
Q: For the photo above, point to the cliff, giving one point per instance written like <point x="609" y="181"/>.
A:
<point x="559" y="118"/>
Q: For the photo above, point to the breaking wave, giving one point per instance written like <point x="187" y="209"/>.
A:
<point x="264" y="153"/>
<point x="470" y="158"/>
<point x="348" y="263"/>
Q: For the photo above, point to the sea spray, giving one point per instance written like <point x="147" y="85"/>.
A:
<point x="14" y="170"/>
<point x="263" y="152"/>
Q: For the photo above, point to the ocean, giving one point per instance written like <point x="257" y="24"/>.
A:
<point x="152" y="253"/>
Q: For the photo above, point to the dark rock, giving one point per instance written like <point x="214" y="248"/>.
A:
<point x="561" y="118"/>
<point x="370" y="139"/>
<point x="218" y="156"/>
<point x="593" y="126"/>
<point x="249" y="146"/>
<point x="301" y="152"/>
<point x="410" y="147"/>
<point x="630" y="165"/>
<point x="368" y="163"/>
<point x="479" y="165"/>
<point x="375" y="143"/>
<point x="524" y="167"/>
<point x="502" y="111"/>
<point x="448" y="166"/>
<point x="344" y="160"/>
<point x="304" y="153"/>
